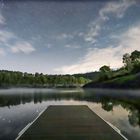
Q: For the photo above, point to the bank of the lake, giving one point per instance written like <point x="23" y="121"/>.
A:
<point x="131" y="81"/>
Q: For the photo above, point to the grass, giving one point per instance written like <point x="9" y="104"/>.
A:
<point x="121" y="80"/>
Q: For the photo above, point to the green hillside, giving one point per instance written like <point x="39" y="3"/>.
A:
<point x="127" y="76"/>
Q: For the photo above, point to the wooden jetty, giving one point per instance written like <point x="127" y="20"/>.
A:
<point x="70" y="123"/>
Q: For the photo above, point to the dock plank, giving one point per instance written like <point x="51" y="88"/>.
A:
<point x="70" y="123"/>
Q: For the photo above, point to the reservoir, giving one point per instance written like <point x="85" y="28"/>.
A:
<point x="20" y="106"/>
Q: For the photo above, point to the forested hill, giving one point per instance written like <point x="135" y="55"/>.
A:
<point x="88" y="75"/>
<point x="125" y="77"/>
<point x="20" y="79"/>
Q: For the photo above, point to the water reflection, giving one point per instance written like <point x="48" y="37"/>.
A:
<point x="26" y="101"/>
<point x="107" y="101"/>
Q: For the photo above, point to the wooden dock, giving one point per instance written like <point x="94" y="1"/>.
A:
<point x="70" y="123"/>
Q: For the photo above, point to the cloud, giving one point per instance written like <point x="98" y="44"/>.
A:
<point x="72" y="46"/>
<point x="49" y="45"/>
<point x="2" y="52"/>
<point x="18" y="45"/>
<point x="111" y="55"/>
<point x="93" y="60"/>
<point x="23" y="47"/>
<point x="6" y="36"/>
<point x="117" y="9"/>
<point x="65" y="36"/>
<point x="93" y="33"/>
<point x="131" y="39"/>
<point x="2" y="19"/>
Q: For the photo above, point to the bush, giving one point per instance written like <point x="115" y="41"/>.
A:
<point x="136" y="68"/>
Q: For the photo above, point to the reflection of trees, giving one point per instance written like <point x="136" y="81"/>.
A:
<point x="108" y="102"/>
<point x="131" y="105"/>
<point x="108" y="106"/>
<point x="133" y="117"/>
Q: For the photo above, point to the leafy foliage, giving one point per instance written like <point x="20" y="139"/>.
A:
<point x="15" y="78"/>
<point x="105" y="73"/>
<point x="131" y="65"/>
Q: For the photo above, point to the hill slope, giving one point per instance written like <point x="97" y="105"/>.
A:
<point x="124" y="82"/>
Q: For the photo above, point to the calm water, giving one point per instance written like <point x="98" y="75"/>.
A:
<point x="18" y="107"/>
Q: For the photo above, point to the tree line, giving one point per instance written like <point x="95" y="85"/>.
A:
<point x="16" y="78"/>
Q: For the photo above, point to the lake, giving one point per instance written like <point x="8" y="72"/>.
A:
<point x="20" y="106"/>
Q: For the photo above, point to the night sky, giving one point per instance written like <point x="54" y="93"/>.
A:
<point x="59" y="37"/>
